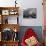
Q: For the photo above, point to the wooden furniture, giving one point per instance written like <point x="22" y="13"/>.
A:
<point x="10" y="43"/>
<point x="6" y="23"/>
<point x="6" y="12"/>
<point x="11" y="26"/>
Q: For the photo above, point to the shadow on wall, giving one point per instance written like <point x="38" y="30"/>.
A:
<point x="37" y="29"/>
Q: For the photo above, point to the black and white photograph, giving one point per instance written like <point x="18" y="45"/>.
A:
<point x="30" y="13"/>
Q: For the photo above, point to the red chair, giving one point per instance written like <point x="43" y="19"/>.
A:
<point x="29" y="33"/>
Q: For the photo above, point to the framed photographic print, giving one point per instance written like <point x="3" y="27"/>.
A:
<point x="5" y="12"/>
<point x="30" y="13"/>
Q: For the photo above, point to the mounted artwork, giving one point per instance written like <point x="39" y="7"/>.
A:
<point x="30" y="13"/>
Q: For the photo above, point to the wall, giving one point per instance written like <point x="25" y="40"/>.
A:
<point x="7" y="3"/>
<point x="32" y="4"/>
<point x="24" y="4"/>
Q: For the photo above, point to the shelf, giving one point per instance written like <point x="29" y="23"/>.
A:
<point x="10" y="26"/>
<point x="7" y="16"/>
<point x="9" y="8"/>
<point x="11" y="41"/>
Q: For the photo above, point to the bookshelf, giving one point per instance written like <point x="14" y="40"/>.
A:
<point x="9" y="21"/>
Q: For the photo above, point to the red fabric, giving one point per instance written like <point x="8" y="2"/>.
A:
<point x="28" y="33"/>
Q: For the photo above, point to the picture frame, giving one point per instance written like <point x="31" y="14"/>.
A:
<point x="13" y="12"/>
<point x="5" y="12"/>
<point x="30" y="13"/>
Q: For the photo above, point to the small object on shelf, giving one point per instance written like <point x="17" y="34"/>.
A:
<point x="5" y="12"/>
<point x="13" y="12"/>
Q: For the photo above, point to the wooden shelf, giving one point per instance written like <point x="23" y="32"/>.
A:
<point x="4" y="24"/>
<point x="11" y="26"/>
<point x="9" y="43"/>
<point x="7" y="13"/>
<point x="9" y="8"/>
